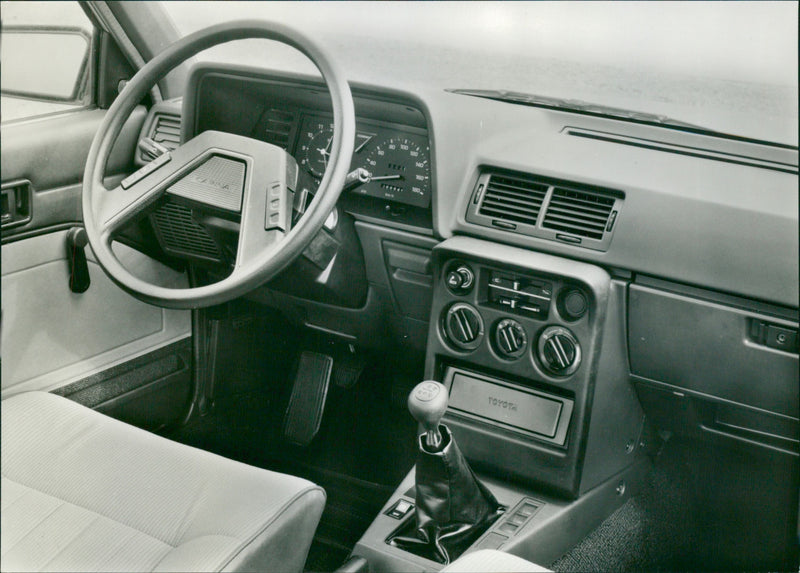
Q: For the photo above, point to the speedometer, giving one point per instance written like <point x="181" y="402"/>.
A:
<point x="400" y="170"/>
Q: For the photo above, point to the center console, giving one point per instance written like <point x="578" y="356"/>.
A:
<point x="517" y="343"/>
<point x="531" y="349"/>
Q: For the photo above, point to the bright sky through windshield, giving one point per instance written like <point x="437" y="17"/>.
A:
<point x="730" y="66"/>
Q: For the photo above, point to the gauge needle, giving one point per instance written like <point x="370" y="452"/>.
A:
<point x="325" y="152"/>
<point x="385" y="177"/>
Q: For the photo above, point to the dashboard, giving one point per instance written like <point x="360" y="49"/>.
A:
<point x="556" y="258"/>
<point x="680" y="202"/>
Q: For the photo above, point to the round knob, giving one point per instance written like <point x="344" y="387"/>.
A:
<point x="573" y="304"/>
<point x="510" y="338"/>
<point x="559" y="351"/>
<point x="459" y="279"/>
<point x="467" y="276"/>
<point x="454" y="280"/>
<point x="427" y="404"/>
<point x="463" y="326"/>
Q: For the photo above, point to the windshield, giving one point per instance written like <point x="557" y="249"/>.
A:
<point x="725" y="66"/>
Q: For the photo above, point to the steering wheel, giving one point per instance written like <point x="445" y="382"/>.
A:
<point x="220" y="171"/>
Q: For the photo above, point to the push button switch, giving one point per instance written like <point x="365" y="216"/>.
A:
<point x="400" y="509"/>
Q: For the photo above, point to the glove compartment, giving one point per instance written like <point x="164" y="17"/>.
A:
<point x="724" y="356"/>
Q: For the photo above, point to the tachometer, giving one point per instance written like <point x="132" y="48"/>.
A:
<point x="400" y="171"/>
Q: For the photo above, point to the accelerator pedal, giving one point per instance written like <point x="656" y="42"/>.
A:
<point x="307" y="402"/>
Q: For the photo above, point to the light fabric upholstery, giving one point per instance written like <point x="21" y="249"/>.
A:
<point x="84" y="492"/>
<point x="492" y="561"/>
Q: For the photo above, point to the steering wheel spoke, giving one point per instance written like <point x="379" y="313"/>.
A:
<point x="117" y="207"/>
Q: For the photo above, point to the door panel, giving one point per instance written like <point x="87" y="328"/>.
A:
<point x="52" y="336"/>
<point x="102" y="348"/>
<point x="51" y="153"/>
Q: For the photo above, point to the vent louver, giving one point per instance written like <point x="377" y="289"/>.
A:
<point x="166" y="130"/>
<point x="546" y="208"/>
<point x="180" y="234"/>
<point x="578" y="213"/>
<point x="278" y="127"/>
<point x="513" y="198"/>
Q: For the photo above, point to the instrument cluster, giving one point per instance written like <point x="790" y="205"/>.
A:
<point x="397" y="157"/>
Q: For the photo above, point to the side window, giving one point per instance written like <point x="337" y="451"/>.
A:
<point x="46" y="58"/>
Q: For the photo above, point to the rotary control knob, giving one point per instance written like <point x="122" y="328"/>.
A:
<point x="463" y="326"/>
<point x="459" y="279"/>
<point x="510" y="338"/>
<point x="559" y="351"/>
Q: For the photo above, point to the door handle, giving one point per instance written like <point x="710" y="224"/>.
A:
<point x="16" y="202"/>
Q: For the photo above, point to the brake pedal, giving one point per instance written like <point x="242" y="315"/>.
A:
<point x="307" y="402"/>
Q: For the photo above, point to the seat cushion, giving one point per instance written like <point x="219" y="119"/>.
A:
<point x="84" y="492"/>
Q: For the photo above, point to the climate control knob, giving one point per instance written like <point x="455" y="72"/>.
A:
<point x="559" y="351"/>
<point x="463" y="326"/>
<point x="510" y="338"/>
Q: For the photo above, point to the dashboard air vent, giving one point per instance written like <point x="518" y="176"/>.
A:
<point x="578" y="212"/>
<point x="278" y="127"/>
<point x="513" y="198"/>
<point x="569" y="212"/>
<point x="166" y="130"/>
<point x="180" y="234"/>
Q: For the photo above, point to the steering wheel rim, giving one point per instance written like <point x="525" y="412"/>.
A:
<point x="264" y="265"/>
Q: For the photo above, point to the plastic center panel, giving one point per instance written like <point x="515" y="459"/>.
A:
<point x="518" y="349"/>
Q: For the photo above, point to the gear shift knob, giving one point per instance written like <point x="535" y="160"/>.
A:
<point x="427" y="404"/>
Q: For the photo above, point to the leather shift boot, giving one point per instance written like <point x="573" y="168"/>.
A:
<point x="453" y="507"/>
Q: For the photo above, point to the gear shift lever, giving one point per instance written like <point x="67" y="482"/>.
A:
<point x="427" y="403"/>
<point x="453" y="507"/>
